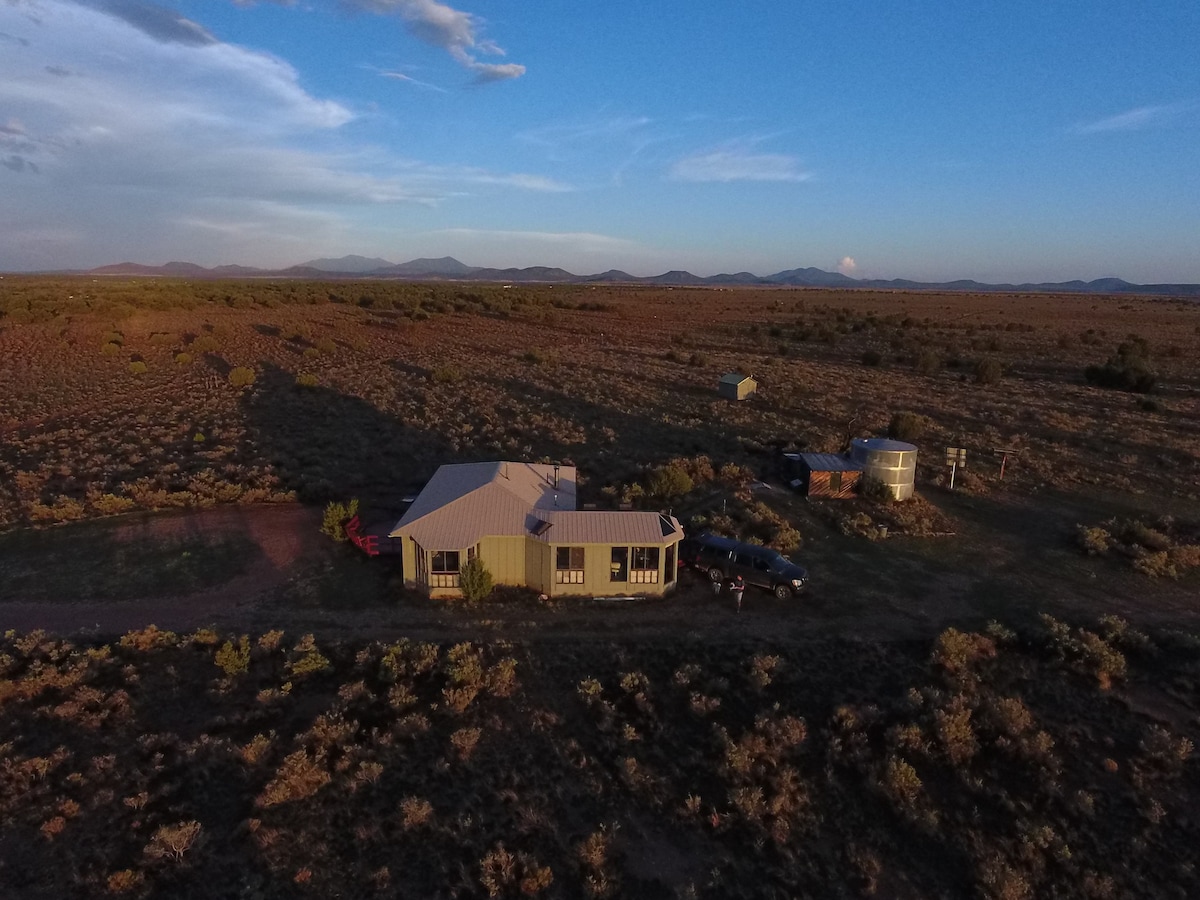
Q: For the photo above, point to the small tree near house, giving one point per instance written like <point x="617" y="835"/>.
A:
<point x="475" y="581"/>
<point x="336" y="516"/>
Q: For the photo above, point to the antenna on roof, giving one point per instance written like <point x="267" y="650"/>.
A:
<point x="556" y="476"/>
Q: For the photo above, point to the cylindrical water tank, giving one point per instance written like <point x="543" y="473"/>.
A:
<point x="892" y="462"/>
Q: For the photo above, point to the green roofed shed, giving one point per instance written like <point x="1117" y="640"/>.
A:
<point x="736" y="386"/>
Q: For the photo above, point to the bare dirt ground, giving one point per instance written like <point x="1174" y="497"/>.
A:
<point x="1010" y="558"/>
<point x="285" y="535"/>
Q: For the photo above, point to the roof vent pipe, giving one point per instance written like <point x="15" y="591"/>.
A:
<point x="556" y="476"/>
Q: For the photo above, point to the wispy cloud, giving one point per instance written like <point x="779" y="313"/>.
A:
<point x="455" y="31"/>
<point x="1134" y="119"/>
<point x="847" y="266"/>
<point x="738" y="161"/>
<point x="607" y="128"/>
<point x="408" y="79"/>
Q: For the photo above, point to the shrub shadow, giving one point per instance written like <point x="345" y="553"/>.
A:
<point x="327" y="445"/>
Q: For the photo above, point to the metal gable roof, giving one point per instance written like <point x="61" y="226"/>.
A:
<point x="829" y="462"/>
<point x="608" y="527"/>
<point x="735" y="378"/>
<point x="465" y="502"/>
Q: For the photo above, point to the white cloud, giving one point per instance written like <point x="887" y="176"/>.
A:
<point x="847" y="266"/>
<point x="1133" y="119"/>
<point x="738" y="162"/>
<point x="453" y="30"/>
<point x="155" y="144"/>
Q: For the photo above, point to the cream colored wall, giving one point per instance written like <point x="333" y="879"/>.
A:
<point x="597" y="573"/>
<point x="504" y="558"/>
<point x="408" y="559"/>
<point x="525" y="562"/>
<point x="537" y="566"/>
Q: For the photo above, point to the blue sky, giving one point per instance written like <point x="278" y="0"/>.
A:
<point x="1005" y="142"/>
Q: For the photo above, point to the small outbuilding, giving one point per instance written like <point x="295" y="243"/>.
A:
<point x="736" y="386"/>
<point x="824" y="474"/>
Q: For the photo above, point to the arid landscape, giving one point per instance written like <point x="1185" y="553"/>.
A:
<point x="997" y="698"/>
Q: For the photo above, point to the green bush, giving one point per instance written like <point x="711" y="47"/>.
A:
<point x="234" y="660"/>
<point x="137" y="367"/>
<point x="204" y="344"/>
<point x="306" y="379"/>
<point x="446" y="375"/>
<point x="183" y="359"/>
<point x="907" y="426"/>
<point x="929" y="363"/>
<point x="110" y="348"/>
<point x="1126" y="370"/>
<point x="240" y="376"/>
<point x="335" y="518"/>
<point x="475" y="581"/>
<point x="308" y="659"/>
<point x="988" y="371"/>
<point x="669" y="483"/>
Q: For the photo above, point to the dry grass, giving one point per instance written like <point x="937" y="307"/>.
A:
<point x="532" y="380"/>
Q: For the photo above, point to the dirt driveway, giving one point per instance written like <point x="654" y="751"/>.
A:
<point x="1010" y="559"/>
<point x="281" y="538"/>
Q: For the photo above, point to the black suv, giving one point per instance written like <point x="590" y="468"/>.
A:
<point x="722" y="558"/>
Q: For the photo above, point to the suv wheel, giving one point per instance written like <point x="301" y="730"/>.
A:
<point x="783" y="592"/>
<point x="715" y="574"/>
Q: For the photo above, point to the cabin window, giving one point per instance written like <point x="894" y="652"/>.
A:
<point x="669" y="566"/>
<point x="620" y="564"/>
<point x="445" y="569"/>
<point x="568" y="565"/>
<point x="644" y="569"/>
<point x="835" y="482"/>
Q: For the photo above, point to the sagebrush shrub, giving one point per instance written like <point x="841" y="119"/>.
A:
<point x="241" y="376"/>
<point x="988" y="371"/>
<point x="929" y="363"/>
<point x="234" y="660"/>
<point x="907" y="426"/>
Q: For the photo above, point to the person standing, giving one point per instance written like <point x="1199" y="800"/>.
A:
<point x="737" y="587"/>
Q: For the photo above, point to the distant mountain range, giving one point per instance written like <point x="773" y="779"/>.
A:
<point x="448" y="268"/>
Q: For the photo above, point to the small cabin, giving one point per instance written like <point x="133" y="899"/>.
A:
<point x="736" y="386"/>
<point x="824" y="474"/>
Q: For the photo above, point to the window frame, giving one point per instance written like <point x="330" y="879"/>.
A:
<point x="444" y="577"/>
<point x="645" y="564"/>
<point x="573" y="571"/>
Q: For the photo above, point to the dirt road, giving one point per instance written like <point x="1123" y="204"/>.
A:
<point x="1010" y="559"/>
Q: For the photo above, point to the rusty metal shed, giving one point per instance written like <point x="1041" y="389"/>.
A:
<point x="825" y="474"/>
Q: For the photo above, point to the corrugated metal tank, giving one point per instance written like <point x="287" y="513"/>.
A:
<point x="892" y="462"/>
